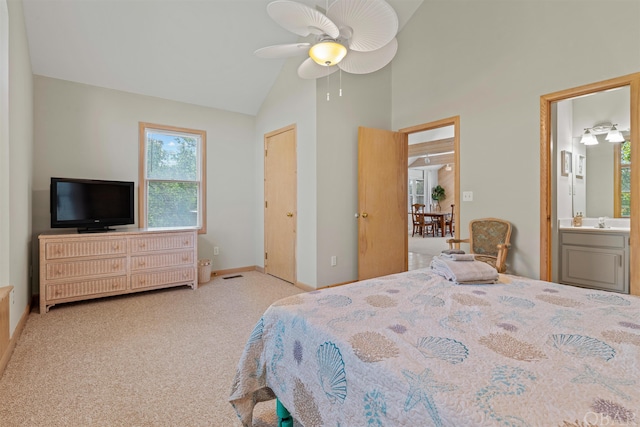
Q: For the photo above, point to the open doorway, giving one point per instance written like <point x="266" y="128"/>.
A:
<point x="433" y="186"/>
<point x="556" y="175"/>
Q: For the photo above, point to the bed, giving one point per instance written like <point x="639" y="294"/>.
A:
<point x="414" y="349"/>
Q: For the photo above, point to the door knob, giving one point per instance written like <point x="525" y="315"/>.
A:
<point x="364" y="214"/>
<point x="289" y="214"/>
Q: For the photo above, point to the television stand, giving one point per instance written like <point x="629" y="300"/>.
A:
<point x="95" y="229"/>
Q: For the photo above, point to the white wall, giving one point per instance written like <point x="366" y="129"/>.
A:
<point x="564" y="142"/>
<point x="83" y="131"/>
<point x="15" y="230"/>
<point x="5" y="225"/>
<point x="327" y="164"/>
<point x="366" y="101"/>
<point x="490" y="61"/>
<point x="292" y="100"/>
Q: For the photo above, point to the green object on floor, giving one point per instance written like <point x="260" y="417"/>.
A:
<point x="284" y="417"/>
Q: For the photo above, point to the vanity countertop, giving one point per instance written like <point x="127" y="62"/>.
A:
<point x="595" y="229"/>
<point x="616" y="225"/>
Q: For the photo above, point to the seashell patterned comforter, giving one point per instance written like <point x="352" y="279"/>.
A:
<point x="413" y="349"/>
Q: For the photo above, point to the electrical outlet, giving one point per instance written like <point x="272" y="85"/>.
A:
<point x="216" y="250"/>
<point x="334" y="261"/>
<point x="467" y="196"/>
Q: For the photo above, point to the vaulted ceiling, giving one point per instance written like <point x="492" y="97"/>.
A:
<point x="194" y="51"/>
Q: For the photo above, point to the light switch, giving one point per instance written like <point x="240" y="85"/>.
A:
<point x="467" y="196"/>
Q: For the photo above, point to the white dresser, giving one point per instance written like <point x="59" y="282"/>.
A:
<point x="77" y="266"/>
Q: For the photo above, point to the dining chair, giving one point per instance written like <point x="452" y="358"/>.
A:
<point x="449" y="222"/>
<point x="488" y="241"/>
<point x="418" y="220"/>
<point x="429" y="227"/>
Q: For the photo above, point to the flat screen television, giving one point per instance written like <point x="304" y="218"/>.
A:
<point x="91" y="205"/>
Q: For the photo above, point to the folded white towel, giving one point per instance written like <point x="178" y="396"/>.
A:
<point x="459" y="257"/>
<point x="464" y="272"/>
<point x="452" y="251"/>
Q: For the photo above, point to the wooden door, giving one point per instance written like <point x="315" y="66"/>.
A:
<point x="280" y="203"/>
<point x="382" y="202"/>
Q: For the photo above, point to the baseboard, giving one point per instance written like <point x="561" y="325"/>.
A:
<point x="219" y="273"/>
<point x="341" y="284"/>
<point x="14" y="339"/>
<point x="300" y="285"/>
<point x="304" y="287"/>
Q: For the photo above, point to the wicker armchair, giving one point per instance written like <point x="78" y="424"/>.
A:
<point x="488" y="240"/>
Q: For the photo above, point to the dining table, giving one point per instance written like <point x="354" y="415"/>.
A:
<point x="440" y="217"/>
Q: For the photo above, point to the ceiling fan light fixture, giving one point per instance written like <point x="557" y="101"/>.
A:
<point x="327" y="53"/>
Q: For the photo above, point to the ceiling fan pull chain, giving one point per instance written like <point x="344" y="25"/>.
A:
<point x="328" y="87"/>
<point x="340" y="93"/>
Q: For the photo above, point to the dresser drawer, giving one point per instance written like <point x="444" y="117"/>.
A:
<point x="86" y="287"/>
<point x="141" y="262"/>
<point x="75" y="249"/>
<point x="604" y="240"/>
<point x="162" y="243"/>
<point x="94" y="267"/>
<point x="159" y="278"/>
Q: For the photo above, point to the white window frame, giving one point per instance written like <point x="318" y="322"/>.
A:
<point x="201" y="181"/>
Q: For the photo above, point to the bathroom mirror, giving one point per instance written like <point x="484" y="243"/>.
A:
<point x="594" y="176"/>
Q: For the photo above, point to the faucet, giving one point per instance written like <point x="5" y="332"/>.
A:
<point x="601" y="222"/>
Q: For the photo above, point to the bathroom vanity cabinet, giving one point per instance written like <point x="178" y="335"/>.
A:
<point x="595" y="258"/>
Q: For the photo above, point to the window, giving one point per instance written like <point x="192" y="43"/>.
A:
<point x="622" y="184"/>
<point x="416" y="187"/>
<point x="172" y="177"/>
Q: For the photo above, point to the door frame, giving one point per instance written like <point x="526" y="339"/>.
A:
<point x="633" y="81"/>
<point x="449" y="121"/>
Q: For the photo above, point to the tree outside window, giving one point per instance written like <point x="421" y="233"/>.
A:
<point x="623" y="179"/>
<point x="172" y="177"/>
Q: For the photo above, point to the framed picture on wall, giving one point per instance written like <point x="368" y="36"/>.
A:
<point x="567" y="161"/>
<point x="580" y="166"/>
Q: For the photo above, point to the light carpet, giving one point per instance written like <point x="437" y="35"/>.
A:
<point x="159" y="358"/>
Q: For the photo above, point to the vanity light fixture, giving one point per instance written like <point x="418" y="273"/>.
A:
<point x="588" y="138"/>
<point x="614" y="135"/>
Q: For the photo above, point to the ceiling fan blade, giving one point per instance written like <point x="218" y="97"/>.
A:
<point x="368" y="62"/>
<point x="309" y="69"/>
<point x="300" y="19"/>
<point x="283" y="50"/>
<point x="372" y="23"/>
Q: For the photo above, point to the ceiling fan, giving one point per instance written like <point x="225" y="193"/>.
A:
<point x="356" y="36"/>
